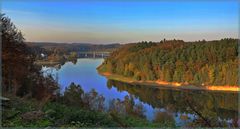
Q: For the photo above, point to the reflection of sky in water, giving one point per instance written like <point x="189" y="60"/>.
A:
<point x="85" y="74"/>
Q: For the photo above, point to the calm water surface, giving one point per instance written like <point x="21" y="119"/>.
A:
<point x="211" y="104"/>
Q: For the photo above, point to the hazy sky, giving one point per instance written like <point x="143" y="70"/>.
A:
<point x="122" y="22"/>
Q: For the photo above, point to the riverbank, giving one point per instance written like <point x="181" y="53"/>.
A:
<point x="169" y="84"/>
<point x="54" y="62"/>
<point x="49" y="63"/>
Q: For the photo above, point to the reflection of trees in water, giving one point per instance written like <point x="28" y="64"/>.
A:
<point x="164" y="117"/>
<point x="208" y="105"/>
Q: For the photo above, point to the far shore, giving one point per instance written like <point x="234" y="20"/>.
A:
<point x="175" y="85"/>
<point x="42" y="62"/>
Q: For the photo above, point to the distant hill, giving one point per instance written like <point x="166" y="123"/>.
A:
<point x="70" y="47"/>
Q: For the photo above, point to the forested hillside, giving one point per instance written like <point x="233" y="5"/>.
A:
<point x="200" y="63"/>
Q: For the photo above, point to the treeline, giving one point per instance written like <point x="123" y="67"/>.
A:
<point x="75" y="96"/>
<point x="77" y="108"/>
<point x="67" y="48"/>
<point x="62" y="52"/>
<point x="199" y="63"/>
<point x="118" y="113"/>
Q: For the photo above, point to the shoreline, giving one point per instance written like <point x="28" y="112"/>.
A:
<point x="164" y="84"/>
<point x="41" y="62"/>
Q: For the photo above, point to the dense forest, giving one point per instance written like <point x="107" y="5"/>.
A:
<point x="199" y="63"/>
<point x="69" y="47"/>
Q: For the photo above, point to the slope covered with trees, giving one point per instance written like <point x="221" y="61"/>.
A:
<point x="200" y="63"/>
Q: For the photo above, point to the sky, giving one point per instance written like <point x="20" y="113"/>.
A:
<point x="121" y="21"/>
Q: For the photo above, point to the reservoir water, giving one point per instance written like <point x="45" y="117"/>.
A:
<point x="182" y="104"/>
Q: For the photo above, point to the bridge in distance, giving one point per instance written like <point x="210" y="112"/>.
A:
<point x="93" y="54"/>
